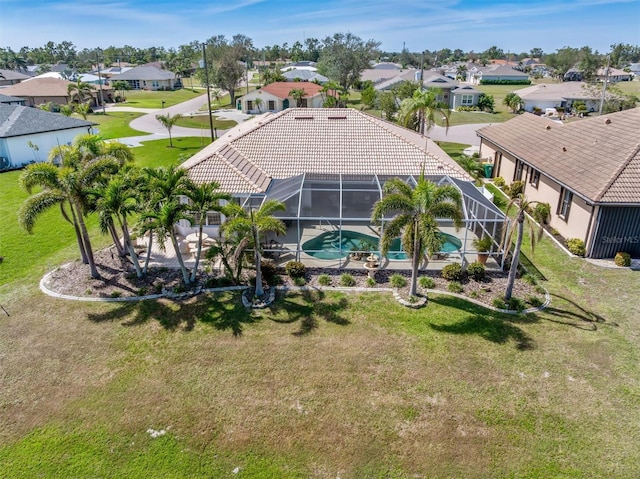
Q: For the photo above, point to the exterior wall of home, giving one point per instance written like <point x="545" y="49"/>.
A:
<point x="529" y="105"/>
<point x="617" y="229"/>
<point x="153" y="85"/>
<point x="265" y="97"/>
<point x="17" y="149"/>
<point x="456" y="99"/>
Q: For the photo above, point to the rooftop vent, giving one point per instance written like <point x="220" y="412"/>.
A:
<point x="303" y="118"/>
<point x="607" y="121"/>
<point x="336" y="118"/>
<point x="548" y="127"/>
<point x="564" y="148"/>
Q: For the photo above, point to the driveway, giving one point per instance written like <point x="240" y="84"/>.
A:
<point x="465" y="134"/>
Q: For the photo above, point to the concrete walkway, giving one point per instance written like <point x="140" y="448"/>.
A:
<point x="151" y="125"/>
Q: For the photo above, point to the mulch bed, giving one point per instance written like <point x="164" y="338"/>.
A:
<point x="119" y="280"/>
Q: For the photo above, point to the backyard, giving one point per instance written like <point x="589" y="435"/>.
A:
<point x="321" y="384"/>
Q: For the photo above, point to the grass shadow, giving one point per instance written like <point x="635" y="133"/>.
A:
<point x="226" y="313"/>
<point x="581" y="315"/>
<point x="490" y="325"/>
<point x="530" y="267"/>
<point x="170" y="314"/>
<point x="306" y="307"/>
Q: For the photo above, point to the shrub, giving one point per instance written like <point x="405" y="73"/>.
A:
<point x="540" y="289"/>
<point x="622" y="259"/>
<point x="179" y="289"/>
<point x="477" y="271"/>
<point x="535" y="301"/>
<point x="347" y="280"/>
<point x="473" y="294"/>
<point x="499" y="303"/>
<point x="499" y="181"/>
<point x="576" y="246"/>
<point x="514" y="189"/>
<point x="516" y="304"/>
<point x="530" y="278"/>
<point x="541" y="213"/>
<point x="370" y="282"/>
<point x="397" y="281"/>
<point x="427" y="282"/>
<point x="269" y="270"/>
<point x="299" y="281"/>
<point x="324" y="280"/>
<point x="142" y="291"/>
<point x="295" y="269"/>
<point x="455" y="287"/>
<point x="116" y="294"/>
<point x="452" y="272"/>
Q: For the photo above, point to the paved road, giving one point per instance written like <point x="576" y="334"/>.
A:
<point x="156" y="131"/>
<point x="458" y="134"/>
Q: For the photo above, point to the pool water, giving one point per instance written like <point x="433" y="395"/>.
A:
<point x="329" y="245"/>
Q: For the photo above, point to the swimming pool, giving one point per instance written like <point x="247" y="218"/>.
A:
<point x="330" y="245"/>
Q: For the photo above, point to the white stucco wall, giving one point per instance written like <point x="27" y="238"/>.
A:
<point x="18" y="151"/>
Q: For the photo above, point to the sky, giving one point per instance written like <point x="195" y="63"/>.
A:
<point x="514" y="26"/>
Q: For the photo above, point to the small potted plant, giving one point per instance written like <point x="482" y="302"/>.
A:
<point x="483" y="246"/>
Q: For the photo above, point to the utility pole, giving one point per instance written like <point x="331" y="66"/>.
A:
<point x="206" y="79"/>
<point x="100" y="82"/>
<point x="604" y="87"/>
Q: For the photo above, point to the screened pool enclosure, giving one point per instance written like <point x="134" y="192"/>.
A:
<point x="328" y="220"/>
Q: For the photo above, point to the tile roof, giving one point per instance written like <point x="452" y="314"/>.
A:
<point x="17" y="120"/>
<point x="558" y="91"/>
<point x="501" y="70"/>
<point x="10" y="75"/>
<point x="10" y="99"/>
<point x="597" y="158"/>
<point x="315" y="140"/>
<point x="145" y="73"/>
<point x="281" y="89"/>
<point x="38" y="87"/>
<point x="305" y="75"/>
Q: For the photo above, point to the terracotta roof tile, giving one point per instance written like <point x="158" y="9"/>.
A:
<point x="320" y="140"/>
<point x="596" y="157"/>
<point x="281" y="89"/>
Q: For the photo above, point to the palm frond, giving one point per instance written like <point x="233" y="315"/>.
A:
<point x="36" y="205"/>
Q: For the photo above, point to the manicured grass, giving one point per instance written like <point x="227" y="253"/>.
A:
<point x="153" y="99"/>
<point x="454" y="150"/>
<point x="202" y="121"/>
<point x="158" y="153"/>
<point x="116" y="124"/>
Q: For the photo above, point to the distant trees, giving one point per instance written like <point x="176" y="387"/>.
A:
<point x="344" y="57"/>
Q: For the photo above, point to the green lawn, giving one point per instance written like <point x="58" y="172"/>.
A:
<point x="116" y="124"/>
<point x="202" y="121"/>
<point x="153" y="99"/>
<point x="158" y="153"/>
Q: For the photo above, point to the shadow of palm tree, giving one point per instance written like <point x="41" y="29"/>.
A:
<point x="227" y="313"/>
<point x="490" y="325"/>
<point x="168" y="313"/>
<point x="314" y="305"/>
<point x="582" y="315"/>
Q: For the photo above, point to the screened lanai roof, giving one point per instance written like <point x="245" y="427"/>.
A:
<point x="351" y="197"/>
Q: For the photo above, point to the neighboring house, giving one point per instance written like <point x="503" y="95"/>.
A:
<point x="11" y="100"/>
<point x="588" y="171"/>
<point x="378" y="75"/>
<point x="573" y="74"/>
<point x="301" y="65"/>
<point x="21" y="126"/>
<point x="114" y="70"/>
<point x="387" y="66"/>
<point x="398" y="76"/>
<point x="275" y="97"/>
<point x="9" y="77"/>
<point x="479" y="74"/>
<point x="328" y="166"/>
<point x="559" y="95"/>
<point x="304" y="75"/>
<point x="634" y="69"/>
<point x="464" y="95"/>
<point x="44" y="90"/>
<point x="613" y="75"/>
<point x="148" y="78"/>
<point x="84" y="77"/>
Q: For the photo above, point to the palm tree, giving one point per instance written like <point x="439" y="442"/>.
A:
<point x="516" y="224"/>
<point x="424" y="104"/>
<point x="297" y="94"/>
<point x="513" y="101"/>
<point x="63" y="186"/>
<point x="203" y="198"/>
<point x="83" y="109"/>
<point x="258" y="103"/>
<point x="80" y="92"/>
<point x="247" y="226"/>
<point x="168" y="122"/>
<point x="472" y="166"/>
<point x="416" y="221"/>
<point x="66" y="110"/>
<point x="461" y="72"/>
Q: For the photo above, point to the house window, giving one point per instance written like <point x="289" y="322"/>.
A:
<point x="517" y="175"/>
<point x="213" y="218"/>
<point x="135" y="84"/>
<point x="534" y="178"/>
<point x="565" y="203"/>
<point x="155" y="84"/>
<point x="249" y="105"/>
<point x="467" y="99"/>
<point x="271" y="105"/>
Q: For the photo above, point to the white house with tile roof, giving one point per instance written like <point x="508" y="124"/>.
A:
<point x="587" y="170"/>
<point x="328" y="167"/>
<point x="21" y="126"/>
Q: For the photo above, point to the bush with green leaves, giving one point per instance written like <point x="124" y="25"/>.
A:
<point x="452" y="272"/>
<point x="269" y="270"/>
<point x="499" y="303"/>
<point x="514" y="189"/>
<point x="540" y="289"/>
<point x="295" y="269"/>
<point x="541" y="213"/>
<point x="347" y="279"/>
<point x="516" y="304"/>
<point x="535" y="301"/>
<point x="477" y="271"/>
<point x="622" y="259"/>
<point x="486" y="102"/>
<point x="530" y="278"/>
<point x="499" y="181"/>
<point x="576" y="246"/>
<point x="370" y="282"/>
<point x="397" y="281"/>
<point x="455" y="287"/>
<point x="299" y="281"/>
<point x="324" y="280"/>
<point x="427" y="282"/>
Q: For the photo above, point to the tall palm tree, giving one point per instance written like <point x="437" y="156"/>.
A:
<point x="416" y="221"/>
<point x="169" y="122"/>
<point x="65" y="186"/>
<point x="297" y="94"/>
<point x="424" y="105"/>
<point x="82" y="109"/>
<point x="258" y="103"/>
<point x="80" y="92"/>
<point x="248" y="226"/>
<point x="203" y="198"/>
<point x="515" y="225"/>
